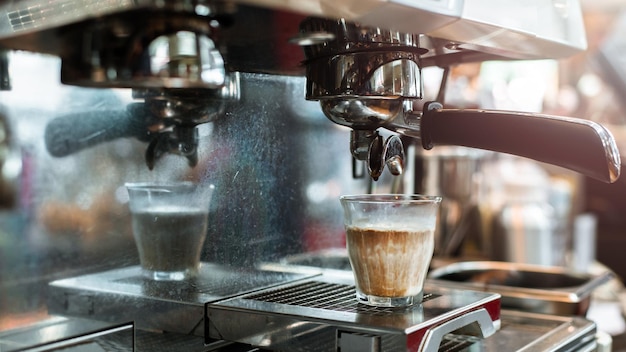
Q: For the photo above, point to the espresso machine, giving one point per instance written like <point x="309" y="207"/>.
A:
<point x="239" y="94"/>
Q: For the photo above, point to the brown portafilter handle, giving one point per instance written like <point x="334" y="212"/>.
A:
<point x="576" y="144"/>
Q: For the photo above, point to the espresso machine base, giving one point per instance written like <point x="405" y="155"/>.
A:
<point x="165" y="306"/>
<point x="322" y="314"/>
<point x="305" y="310"/>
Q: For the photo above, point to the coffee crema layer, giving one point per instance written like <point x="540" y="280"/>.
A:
<point x="390" y="263"/>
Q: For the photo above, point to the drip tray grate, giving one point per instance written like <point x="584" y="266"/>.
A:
<point x="324" y="310"/>
<point x="323" y="295"/>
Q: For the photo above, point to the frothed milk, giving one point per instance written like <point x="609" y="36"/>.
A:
<point x="390" y="263"/>
<point x="390" y="240"/>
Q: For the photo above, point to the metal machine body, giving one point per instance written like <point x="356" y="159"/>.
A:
<point x="297" y="308"/>
<point x="364" y="70"/>
<point x="124" y="294"/>
<point x="321" y="314"/>
<point x="243" y="90"/>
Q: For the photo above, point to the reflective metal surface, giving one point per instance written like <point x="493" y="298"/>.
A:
<point x="452" y="173"/>
<point x="276" y="188"/>
<point x="178" y="307"/>
<point x="325" y="310"/>
<point x="367" y="78"/>
<point x="531" y="30"/>
<point x="533" y="288"/>
<point x="523" y="331"/>
<point x="361" y="62"/>
<point x="63" y="334"/>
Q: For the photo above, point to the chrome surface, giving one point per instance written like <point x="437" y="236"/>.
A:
<point x="535" y="29"/>
<point x="189" y="106"/>
<point x="393" y="155"/>
<point x="175" y="113"/>
<point x="525" y="332"/>
<point x="64" y="334"/>
<point x="451" y="31"/>
<point x="361" y="62"/>
<point x="184" y="59"/>
<point x="451" y="172"/>
<point x="87" y="335"/>
<point x="325" y="310"/>
<point x="478" y="319"/>
<point x="171" y="47"/>
<point x="367" y="78"/>
<point x="187" y="56"/>
<point x="122" y="294"/>
<point x="520" y="329"/>
<point x="369" y="146"/>
<point x="186" y="45"/>
<point x="362" y="114"/>
<point x="360" y="78"/>
<point x="533" y="288"/>
<point x="345" y="36"/>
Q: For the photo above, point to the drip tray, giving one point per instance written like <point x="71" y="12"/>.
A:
<point x="171" y="306"/>
<point x="322" y="314"/>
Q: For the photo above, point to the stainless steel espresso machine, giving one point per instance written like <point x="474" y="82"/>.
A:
<point x="239" y="94"/>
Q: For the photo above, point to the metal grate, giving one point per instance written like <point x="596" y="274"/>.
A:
<point x="322" y="295"/>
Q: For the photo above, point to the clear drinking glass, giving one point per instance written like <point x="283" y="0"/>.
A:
<point x="169" y="226"/>
<point x="390" y="240"/>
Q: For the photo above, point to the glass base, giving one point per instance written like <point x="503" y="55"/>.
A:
<point x="393" y="302"/>
<point x="169" y="275"/>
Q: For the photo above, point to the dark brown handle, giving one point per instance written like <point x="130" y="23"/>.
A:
<point x="577" y="144"/>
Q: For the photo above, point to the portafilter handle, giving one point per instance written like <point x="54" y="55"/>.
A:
<point x="576" y="144"/>
<point x="71" y="133"/>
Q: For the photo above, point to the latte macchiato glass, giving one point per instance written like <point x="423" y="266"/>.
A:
<point x="169" y="226"/>
<point x="390" y="240"/>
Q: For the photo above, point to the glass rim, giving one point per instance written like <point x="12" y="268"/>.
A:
<point x="390" y="198"/>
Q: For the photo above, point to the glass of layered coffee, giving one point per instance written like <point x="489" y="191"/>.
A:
<point x="390" y="240"/>
<point x="169" y="223"/>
